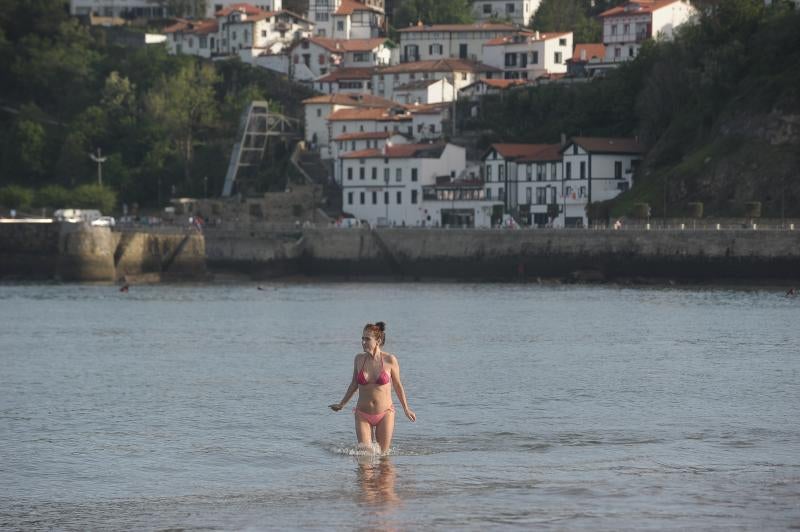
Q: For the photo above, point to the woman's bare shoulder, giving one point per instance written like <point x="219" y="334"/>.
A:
<point x="391" y="358"/>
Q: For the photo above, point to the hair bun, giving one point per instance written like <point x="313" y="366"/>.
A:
<point x="381" y="325"/>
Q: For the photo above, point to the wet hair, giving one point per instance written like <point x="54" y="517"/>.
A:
<point x="377" y="330"/>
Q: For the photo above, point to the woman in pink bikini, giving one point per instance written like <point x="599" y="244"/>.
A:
<point x="374" y="373"/>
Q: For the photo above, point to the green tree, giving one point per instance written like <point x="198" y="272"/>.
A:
<point x="52" y="196"/>
<point x="184" y="106"/>
<point x="16" y="197"/>
<point x="433" y="12"/>
<point x="94" y="196"/>
<point x="569" y="15"/>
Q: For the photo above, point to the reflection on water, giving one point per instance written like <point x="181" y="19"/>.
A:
<point x="376" y="479"/>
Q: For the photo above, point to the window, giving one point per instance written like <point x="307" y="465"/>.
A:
<point x="552" y="195"/>
<point x="263" y="33"/>
<point x="631" y="51"/>
<point x="413" y="196"/>
<point x="501" y="194"/>
<point x="582" y="193"/>
<point x="501" y="172"/>
<point x="509" y="8"/>
<point x="319" y="111"/>
<point x="535" y="58"/>
<point x="203" y="42"/>
<point x="488" y="193"/>
<point x="617" y="52"/>
<point x="562" y="42"/>
<point x="528" y="172"/>
<point x="349" y="174"/>
<point x="541" y="195"/>
<point x="361" y="197"/>
<point x="398" y="175"/>
<point x="487" y="9"/>
<point x="613" y="29"/>
<point x="553" y="171"/>
<point x="557" y="58"/>
<point x="435" y="49"/>
<point x="413" y="175"/>
<point x="626" y="29"/>
<point x="568" y="171"/>
<point x="511" y="60"/>
<point x="488" y="173"/>
<point x="361" y="173"/>
<point x="583" y="169"/>
<point x="349" y="198"/>
<point x="353" y="145"/>
<point x="233" y="35"/>
<point x="386" y="175"/>
<point x="374" y="173"/>
<point x="528" y="195"/>
<point x="618" y="169"/>
<point x="361" y="57"/>
<point x="321" y="17"/>
<point x="386" y="197"/>
<point x="340" y="25"/>
<point x="540" y="173"/>
<point x="374" y="197"/>
<point x="399" y="197"/>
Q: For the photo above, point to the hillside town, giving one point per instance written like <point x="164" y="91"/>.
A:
<point x="383" y="125"/>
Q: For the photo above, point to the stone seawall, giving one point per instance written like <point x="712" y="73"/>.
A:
<point x="84" y="253"/>
<point x="507" y="254"/>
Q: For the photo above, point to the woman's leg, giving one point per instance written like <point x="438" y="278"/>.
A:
<point x="363" y="431"/>
<point x="385" y="430"/>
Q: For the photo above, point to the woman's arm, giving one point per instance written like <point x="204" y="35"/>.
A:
<point x="350" y="389"/>
<point x="399" y="390"/>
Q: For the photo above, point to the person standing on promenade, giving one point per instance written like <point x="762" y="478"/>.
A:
<point x="375" y="372"/>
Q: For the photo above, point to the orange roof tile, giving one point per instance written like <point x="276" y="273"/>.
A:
<point x="363" y="135"/>
<point x="439" y="65"/>
<point x="347" y="7"/>
<point x="527" y="152"/>
<point x="400" y="151"/>
<point x="588" y="51"/>
<point x="347" y="73"/>
<point x="354" y="100"/>
<point x="637" y="7"/>
<point x="198" y="27"/>
<point x="248" y="9"/>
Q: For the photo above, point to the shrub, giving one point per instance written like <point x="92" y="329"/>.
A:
<point x="94" y="197"/>
<point x="53" y="196"/>
<point x="16" y="197"/>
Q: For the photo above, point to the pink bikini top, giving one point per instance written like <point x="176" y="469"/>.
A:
<point x="382" y="379"/>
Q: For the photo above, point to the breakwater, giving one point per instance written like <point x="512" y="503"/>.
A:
<point x="473" y="255"/>
<point x="81" y="252"/>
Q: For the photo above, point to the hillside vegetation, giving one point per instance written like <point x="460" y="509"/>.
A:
<point x="717" y="107"/>
<point x="166" y="124"/>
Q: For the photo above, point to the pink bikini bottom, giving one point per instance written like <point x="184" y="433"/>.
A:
<point x="373" y="419"/>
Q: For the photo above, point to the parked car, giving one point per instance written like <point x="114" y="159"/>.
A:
<point x="104" y="221"/>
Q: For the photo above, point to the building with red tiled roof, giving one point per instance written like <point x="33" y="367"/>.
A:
<point x="316" y="57"/>
<point x="529" y="55"/>
<point x="458" y="73"/>
<point x="345" y="80"/>
<point x="439" y="41"/>
<point x="626" y="27"/>
<point x="347" y="19"/>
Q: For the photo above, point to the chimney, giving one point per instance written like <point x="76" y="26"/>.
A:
<point x="563" y="139"/>
<point x="583" y="54"/>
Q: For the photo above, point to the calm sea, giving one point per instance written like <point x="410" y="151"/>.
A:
<point x="548" y="407"/>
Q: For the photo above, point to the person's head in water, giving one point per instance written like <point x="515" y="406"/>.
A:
<point x="374" y="335"/>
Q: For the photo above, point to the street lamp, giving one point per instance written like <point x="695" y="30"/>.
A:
<point x="99" y="159"/>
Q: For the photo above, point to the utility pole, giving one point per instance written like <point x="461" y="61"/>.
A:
<point x="99" y="159"/>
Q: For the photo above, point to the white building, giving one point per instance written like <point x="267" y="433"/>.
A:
<point x="514" y="11"/>
<point x="351" y="142"/>
<point x="241" y="29"/>
<point x="151" y="9"/>
<point x="529" y="55"/>
<point x="385" y="186"/>
<point x="347" y="19"/>
<point x="482" y="87"/>
<point x="626" y="27"/>
<point x="458" y="72"/>
<point x="440" y="41"/>
<point x="595" y="169"/>
<point x="425" y="91"/>
<point x="319" y="108"/>
<point x="457" y="202"/>
<point x="318" y="56"/>
<point x="526" y="178"/>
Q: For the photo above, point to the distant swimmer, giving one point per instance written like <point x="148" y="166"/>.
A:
<point x="375" y="372"/>
<point x="124" y="288"/>
<point x="791" y="293"/>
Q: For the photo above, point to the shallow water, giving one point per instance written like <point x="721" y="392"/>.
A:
<point x="538" y="406"/>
